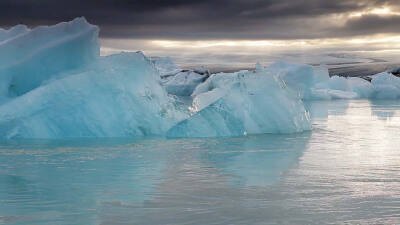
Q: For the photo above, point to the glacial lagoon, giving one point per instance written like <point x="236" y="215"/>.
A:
<point x="346" y="170"/>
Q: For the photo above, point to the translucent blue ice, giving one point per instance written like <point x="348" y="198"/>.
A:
<point x="248" y="103"/>
<point x="32" y="57"/>
<point x="55" y="84"/>
<point x="117" y="96"/>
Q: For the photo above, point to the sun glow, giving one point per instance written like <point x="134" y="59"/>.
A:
<point x="230" y="43"/>
<point x="393" y="41"/>
<point x="384" y="11"/>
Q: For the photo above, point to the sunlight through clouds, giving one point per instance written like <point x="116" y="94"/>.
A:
<point x="384" y="11"/>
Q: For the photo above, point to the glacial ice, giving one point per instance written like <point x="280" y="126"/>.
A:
<point x="176" y="80"/>
<point x="314" y="83"/>
<point x="386" y="86"/>
<point x="55" y="84"/>
<point x="13" y="32"/>
<point x="183" y="83"/>
<point x="299" y="77"/>
<point x="117" y="96"/>
<point x="30" y="57"/>
<point x="165" y="66"/>
<point x="250" y="103"/>
<point x="342" y="88"/>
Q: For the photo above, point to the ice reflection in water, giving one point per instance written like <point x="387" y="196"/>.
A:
<point x="346" y="170"/>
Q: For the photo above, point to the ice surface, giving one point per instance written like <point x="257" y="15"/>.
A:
<point x="218" y="80"/>
<point x="299" y="77"/>
<point x="305" y="81"/>
<point x="31" y="57"/>
<point x="176" y="80"/>
<point x="183" y="83"/>
<point x="314" y="83"/>
<point x="252" y="103"/>
<point x="382" y="86"/>
<point x="342" y="88"/>
<point x="117" y="96"/>
<point x="386" y="86"/>
<point x="165" y="66"/>
<point x="13" y="32"/>
<point x="202" y="70"/>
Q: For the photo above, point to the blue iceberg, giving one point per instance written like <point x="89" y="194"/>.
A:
<point x="117" y="96"/>
<point x="243" y="103"/>
<point x="30" y="57"/>
<point x="55" y="84"/>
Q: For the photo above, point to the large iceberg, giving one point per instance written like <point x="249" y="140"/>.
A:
<point x="117" y="96"/>
<point x="55" y="84"/>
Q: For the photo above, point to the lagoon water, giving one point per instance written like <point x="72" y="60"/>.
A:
<point x="346" y="170"/>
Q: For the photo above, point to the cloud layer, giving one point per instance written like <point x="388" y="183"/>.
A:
<point x="214" y="19"/>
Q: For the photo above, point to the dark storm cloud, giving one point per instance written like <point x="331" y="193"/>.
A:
<point x="372" y="24"/>
<point x="205" y="19"/>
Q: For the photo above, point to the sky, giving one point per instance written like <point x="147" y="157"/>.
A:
<point x="226" y="31"/>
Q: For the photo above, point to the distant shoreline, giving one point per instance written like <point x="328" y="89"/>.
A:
<point x="354" y="70"/>
<point x="361" y="70"/>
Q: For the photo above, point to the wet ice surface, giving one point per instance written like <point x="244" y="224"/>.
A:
<point x="345" y="170"/>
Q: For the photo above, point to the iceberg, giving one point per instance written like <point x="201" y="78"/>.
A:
<point x="299" y="77"/>
<point x="117" y="96"/>
<point x="55" y="84"/>
<point x="305" y="81"/>
<point x="382" y="86"/>
<point x="250" y="103"/>
<point x="314" y="83"/>
<point x="342" y="88"/>
<point x="386" y="86"/>
<point x="30" y="57"/>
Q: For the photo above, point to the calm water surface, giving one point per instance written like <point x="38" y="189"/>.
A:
<point x="347" y="170"/>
